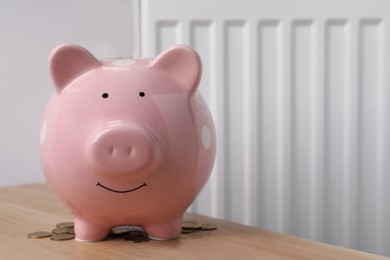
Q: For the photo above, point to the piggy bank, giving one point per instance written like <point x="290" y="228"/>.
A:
<point x="126" y="141"/>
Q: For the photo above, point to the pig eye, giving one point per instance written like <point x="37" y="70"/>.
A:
<point x="105" y="95"/>
<point x="141" y="94"/>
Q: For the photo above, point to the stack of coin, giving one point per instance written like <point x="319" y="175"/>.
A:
<point x="137" y="237"/>
<point x="131" y="234"/>
<point x="125" y="230"/>
<point x="63" y="231"/>
<point x="191" y="226"/>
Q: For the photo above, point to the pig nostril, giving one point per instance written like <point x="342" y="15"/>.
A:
<point x="111" y="150"/>
<point x="129" y="150"/>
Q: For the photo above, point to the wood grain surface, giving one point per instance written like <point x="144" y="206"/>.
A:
<point x="31" y="208"/>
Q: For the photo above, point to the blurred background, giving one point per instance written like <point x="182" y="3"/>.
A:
<point x="29" y="30"/>
<point x="298" y="90"/>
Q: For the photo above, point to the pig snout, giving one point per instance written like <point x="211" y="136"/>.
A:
<point x="124" y="148"/>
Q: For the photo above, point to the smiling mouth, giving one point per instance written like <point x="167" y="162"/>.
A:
<point x="121" y="191"/>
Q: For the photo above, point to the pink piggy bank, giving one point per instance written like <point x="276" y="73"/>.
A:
<point x="126" y="141"/>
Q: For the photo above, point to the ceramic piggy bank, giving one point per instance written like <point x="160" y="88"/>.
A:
<point x="126" y="141"/>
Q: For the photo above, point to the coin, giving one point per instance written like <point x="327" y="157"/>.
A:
<point x="65" y="225"/>
<point x="60" y="231"/>
<point x="191" y="225"/>
<point x="70" y="230"/>
<point x="137" y="239"/>
<point x="122" y="230"/>
<point x="136" y="233"/>
<point x="39" y="234"/>
<point x="187" y="230"/>
<point x="208" y="227"/>
<point x="58" y="237"/>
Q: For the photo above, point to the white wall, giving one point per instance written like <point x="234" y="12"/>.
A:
<point x="29" y="30"/>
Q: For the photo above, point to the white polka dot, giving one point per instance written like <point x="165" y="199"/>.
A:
<point x="43" y="131"/>
<point x="206" y="137"/>
<point x="123" y="62"/>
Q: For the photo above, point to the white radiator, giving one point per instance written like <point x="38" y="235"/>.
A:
<point x="300" y="94"/>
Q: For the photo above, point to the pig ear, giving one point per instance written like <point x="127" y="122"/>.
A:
<point x="68" y="61"/>
<point x="183" y="63"/>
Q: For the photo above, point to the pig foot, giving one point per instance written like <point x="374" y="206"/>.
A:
<point x="88" y="232"/>
<point x="165" y="230"/>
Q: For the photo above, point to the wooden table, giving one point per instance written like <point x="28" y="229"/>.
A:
<point x="31" y="208"/>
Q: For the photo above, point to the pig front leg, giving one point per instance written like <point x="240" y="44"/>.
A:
<point x="164" y="230"/>
<point x="89" y="232"/>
